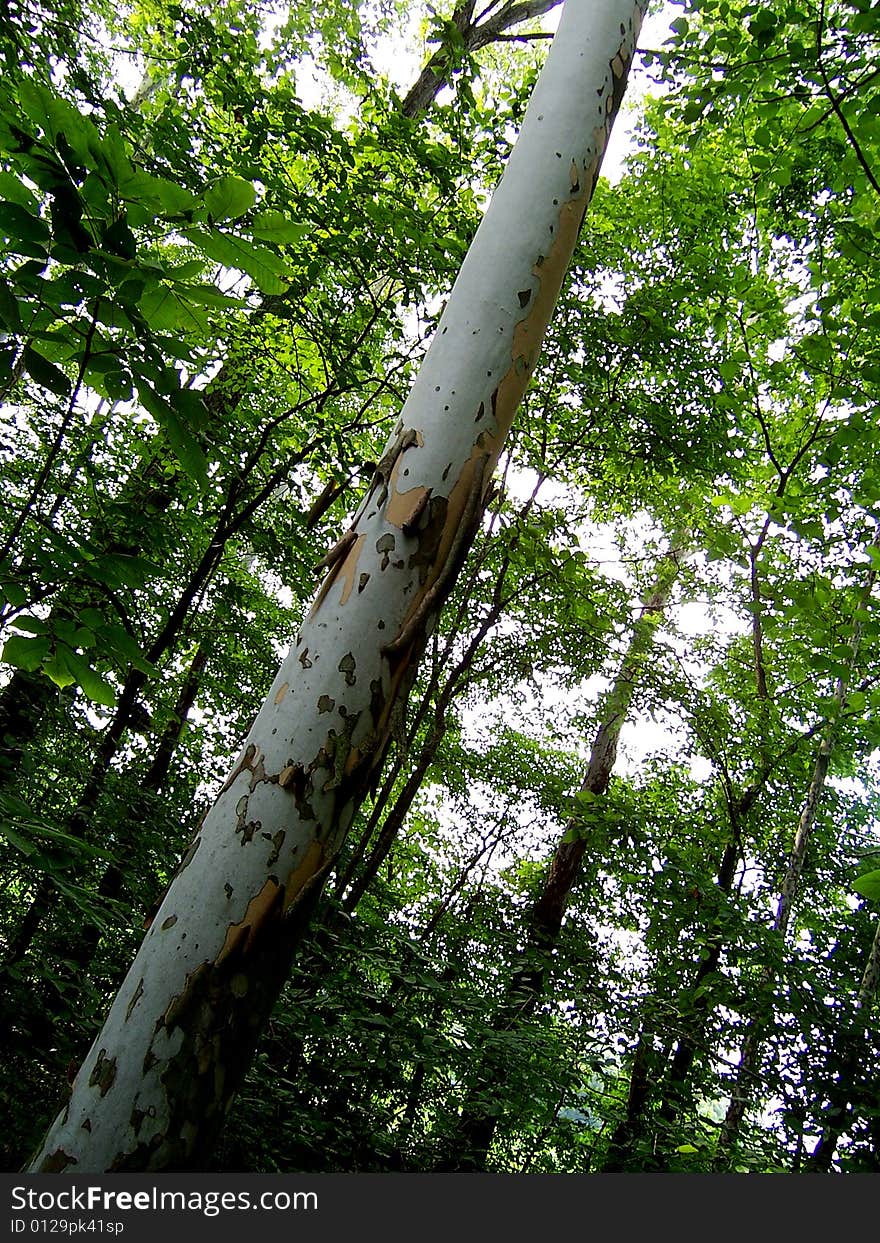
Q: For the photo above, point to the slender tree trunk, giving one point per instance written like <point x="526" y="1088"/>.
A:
<point x="839" y="1117"/>
<point x="686" y="1047"/>
<point x="477" y="1125"/>
<point x="748" y="1070"/>
<point x="23" y="702"/>
<point x="474" y="35"/>
<point x="154" y="1089"/>
<point x="80" y="953"/>
<point x="629" y="1128"/>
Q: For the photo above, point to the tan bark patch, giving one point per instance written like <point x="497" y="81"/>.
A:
<point x="291" y="775"/>
<point x="404" y="508"/>
<point x="349" y="568"/>
<point x="245" y="763"/>
<point x="103" y="1073"/>
<point x="299" y="879"/>
<point x="282" y="691"/>
<point x="240" y="936"/>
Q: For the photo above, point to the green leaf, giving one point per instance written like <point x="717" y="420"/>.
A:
<point x="57" y="670"/>
<point x="186" y="448"/>
<point x="9" y="313"/>
<point x="229" y="198"/>
<point x="12" y="188"/>
<point x="34" y="625"/>
<point x="94" y="687"/>
<point x="119" y="570"/>
<point x="274" y="226"/>
<point x="165" y="310"/>
<point x="119" y="239"/>
<point x="207" y="295"/>
<point x="145" y="195"/>
<point x="24" y="653"/>
<point x="119" y="642"/>
<point x="64" y="125"/>
<point x="46" y="373"/>
<point x="261" y="264"/>
<point x="26" y="233"/>
<point x="13" y="594"/>
<point x="868" y="885"/>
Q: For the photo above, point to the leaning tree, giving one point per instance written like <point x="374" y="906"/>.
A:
<point x="156" y="1084"/>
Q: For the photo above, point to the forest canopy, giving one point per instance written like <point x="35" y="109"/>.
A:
<point x="608" y="897"/>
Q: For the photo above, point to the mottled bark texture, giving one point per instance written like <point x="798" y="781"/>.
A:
<point x="154" y="1089"/>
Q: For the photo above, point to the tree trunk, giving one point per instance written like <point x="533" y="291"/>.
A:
<point x="477" y="1126"/>
<point x="154" y="1089"/>
<point x="474" y="35"/>
<point x="629" y="1128"/>
<point x="747" y="1072"/>
<point x="79" y="954"/>
<point x="839" y="1116"/>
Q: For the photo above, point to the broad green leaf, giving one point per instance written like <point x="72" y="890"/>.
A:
<point x="145" y="195"/>
<point x="119" y="238"/>
<point x="46" y="373"/>
<point x="13" y="594"/>
<point x="120" y="570"/>
<point x="9" y="312"/>
<point x="26" y="233"/>
<point x="261" y="264"/>
<point x="166" y="310"/>
<point x="274" y="226"/>
<point x="120" y="642"/>
<point x="24" y="653"/>
<point x="868" y="885"/>
<point x="186" y="448"/>
<point x="34" y="625"/>
<point x="62" y="123"/>
<point x="207" y="295"/>
<point x="57" y="670"/>
<point x="229" y="198"/>
<point x="13" y="189"/>
<point x="94" y="687"/>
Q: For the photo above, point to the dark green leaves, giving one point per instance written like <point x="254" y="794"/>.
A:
<point x="46" y="373"/>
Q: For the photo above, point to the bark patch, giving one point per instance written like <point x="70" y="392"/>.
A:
<point x="103" y="1073"/>
<point x="299" y="880"/>
<point x="138" y="993"/>
<point x="56" y="1162"/>
<point x="239" y="937"/>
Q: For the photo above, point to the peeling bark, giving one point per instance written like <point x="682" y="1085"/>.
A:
<point x="207" y="982"/>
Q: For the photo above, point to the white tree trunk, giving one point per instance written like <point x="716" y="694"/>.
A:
<point x="153" y="1090"/>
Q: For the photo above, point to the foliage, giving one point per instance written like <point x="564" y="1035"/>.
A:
<point x="212" y="297"/>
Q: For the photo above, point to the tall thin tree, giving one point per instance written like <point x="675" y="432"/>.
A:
<point x="154" y="1089"/>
